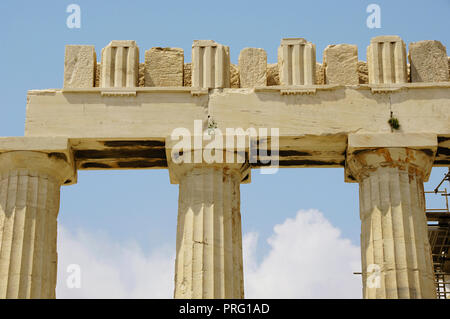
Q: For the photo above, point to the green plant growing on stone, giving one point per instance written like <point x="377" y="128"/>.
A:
<point x="394" y="123"/>
<point x="212" y="125"/>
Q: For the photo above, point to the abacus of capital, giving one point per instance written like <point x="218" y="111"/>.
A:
<point x="386" y="121"/>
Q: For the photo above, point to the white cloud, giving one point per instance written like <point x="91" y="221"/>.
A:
<point x="113" y="270"/>
<point x="308" y="258"/>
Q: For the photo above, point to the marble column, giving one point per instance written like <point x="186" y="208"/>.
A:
<point x="209" y="236"/>
<point x="395" y="251"/>
<point x="29" y="202"/>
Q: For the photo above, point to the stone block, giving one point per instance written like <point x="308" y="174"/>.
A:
<point x="97" y="74"/>
<point x="429" y="61"/>
<point x="273" y="74"/>
<point x="253" y="67"/>
<point x="120" y="65"/>
<point x="386" y="60"/>
<point x="234" y="77"/>
<point x="341" y="64"/>
<point x="164" y="67"/>
<point x="363" y="72"/>
<point x="210" y="64"/>
<point x="79" y="66"/>
<point x="187" y="76"/>
<point x="297" y="62"/>
<point x="141" y="75"/>
<point x="320" y="74"/>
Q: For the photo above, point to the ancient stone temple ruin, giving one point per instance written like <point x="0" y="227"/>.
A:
<point x="386" y="121"/>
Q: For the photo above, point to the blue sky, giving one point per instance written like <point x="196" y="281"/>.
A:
<point x="141" y="206"/>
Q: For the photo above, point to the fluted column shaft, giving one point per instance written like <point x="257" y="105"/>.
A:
<point x="29" y="203"/>
<point x="209" y="238"/>
<point x="395" y="251"/>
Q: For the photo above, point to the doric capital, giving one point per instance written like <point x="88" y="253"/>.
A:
<point x="182" y="161"/>
<point x="177" y="171"/>
<point x="413" y="153"/>
<point x="49" y="156"/>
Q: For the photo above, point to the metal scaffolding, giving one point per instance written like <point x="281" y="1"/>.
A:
<point x="439" y="236"/>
